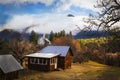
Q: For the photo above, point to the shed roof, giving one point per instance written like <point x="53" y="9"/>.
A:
<point x="43" y="55"/>
<point x="9" y="64"/>
<point x="62" y="50"/>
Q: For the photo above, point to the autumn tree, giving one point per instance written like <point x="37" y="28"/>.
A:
<point x="67" y="41"/>
<point x="113" y="44"/>
<point x="33" y="37"/>
<point x="20" y="48"/>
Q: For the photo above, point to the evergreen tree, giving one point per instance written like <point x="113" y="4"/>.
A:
<point x="62" y="33"/>
<point x="70" y="34"/>
<point x="33" y="37"/>
<point x="46" y="36"/>
<point x="51" y="36"/>
<point x="56" y="34"/>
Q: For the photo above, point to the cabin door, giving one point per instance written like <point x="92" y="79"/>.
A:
<point x="55" y="63"/>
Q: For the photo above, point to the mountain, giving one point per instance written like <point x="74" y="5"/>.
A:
<point x="90" y="34"/>
<point x="9" y="34"/>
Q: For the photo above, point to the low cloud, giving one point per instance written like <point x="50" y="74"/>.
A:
<point x="44" y="23"/>
<point x="46" y="2"/>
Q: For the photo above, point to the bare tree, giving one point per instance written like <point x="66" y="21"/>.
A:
<point x="108" y="15"/>
<point x="110" y="12"/>
<point x="20" y="48"/>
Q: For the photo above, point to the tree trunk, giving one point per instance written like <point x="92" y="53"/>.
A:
<point x="21" y="62"/>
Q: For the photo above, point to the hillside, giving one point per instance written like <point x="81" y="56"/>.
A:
<point x="85" y="71"/>
<point x="10" y="34"/>
<point x="93" y="40"/>
<point x="90" y="34"/>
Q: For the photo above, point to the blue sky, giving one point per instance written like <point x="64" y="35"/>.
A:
<point x="47" y="15"/>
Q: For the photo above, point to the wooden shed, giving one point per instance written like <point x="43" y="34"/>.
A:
<point x="9" y="67"/>
<point x="42" y="61"/>
<point x="51" y="58"/>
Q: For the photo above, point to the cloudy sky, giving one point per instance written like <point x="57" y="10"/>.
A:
<point x="45" y="15"/>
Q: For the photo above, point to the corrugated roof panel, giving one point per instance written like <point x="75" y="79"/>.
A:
<point x="9" y="64"/>
<point x="62" y="50"/>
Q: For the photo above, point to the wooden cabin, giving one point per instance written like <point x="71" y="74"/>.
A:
<point x="51" y="58"/>
<point x="42" y="61"/>
<point x="9" y="67"/>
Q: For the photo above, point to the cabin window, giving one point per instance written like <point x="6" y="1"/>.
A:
<point x="32" y="60"/>
<point x="53" y="60"/>
<point x="42" y="61"/>
<point x="38" y="61"/>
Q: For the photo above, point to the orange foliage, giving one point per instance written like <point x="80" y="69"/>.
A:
<point x="67" y="41"/>
<point x="95" y="52"/>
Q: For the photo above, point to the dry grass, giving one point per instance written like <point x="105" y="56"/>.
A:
<point x="86" y="71"/>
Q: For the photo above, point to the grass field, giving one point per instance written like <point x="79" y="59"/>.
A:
<point x="85" y="71"/>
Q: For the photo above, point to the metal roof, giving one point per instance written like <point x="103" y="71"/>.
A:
<point x="9" y="64"/>
<point x="43" y="55"/>
<point x="62" y="50"/>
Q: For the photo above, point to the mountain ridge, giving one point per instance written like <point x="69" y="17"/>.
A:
<point x="90" y="34"/>
<point x="10" y="34"/>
